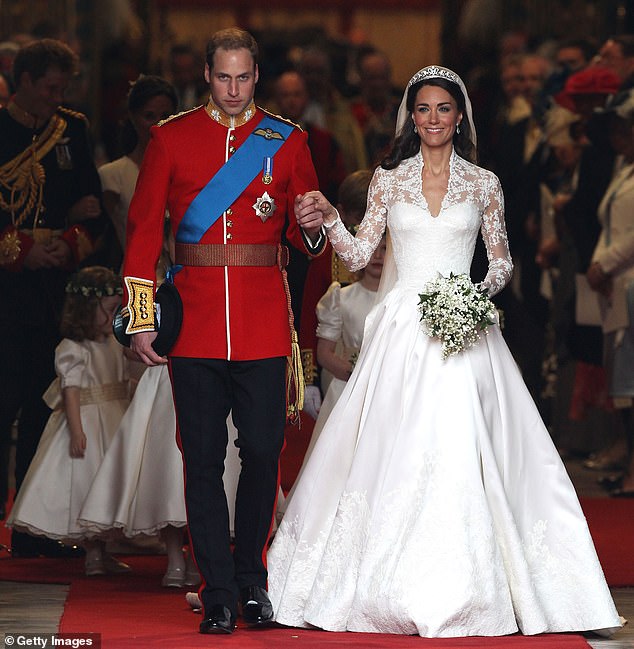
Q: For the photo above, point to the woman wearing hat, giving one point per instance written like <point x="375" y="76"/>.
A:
<point x="611" y="275"/>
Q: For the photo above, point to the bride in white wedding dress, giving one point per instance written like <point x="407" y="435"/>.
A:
<point x="434" y="501"/>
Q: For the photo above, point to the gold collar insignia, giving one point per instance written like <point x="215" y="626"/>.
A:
<point x="230" y="121"/>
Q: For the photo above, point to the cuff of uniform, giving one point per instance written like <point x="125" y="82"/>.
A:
<point x="309" y="366"/>
<point x="14" y="247"/>
<point x="80" y="242"/>
<point x="140" y="304"/>
<point x="315" y="248"/>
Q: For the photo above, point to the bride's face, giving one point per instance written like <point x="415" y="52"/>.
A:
<point x="435" y="116"/>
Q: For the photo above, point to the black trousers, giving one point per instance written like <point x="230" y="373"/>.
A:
<point x="205" y="391"/>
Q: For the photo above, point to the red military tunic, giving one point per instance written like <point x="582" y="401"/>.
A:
<point x="233" y="312"/>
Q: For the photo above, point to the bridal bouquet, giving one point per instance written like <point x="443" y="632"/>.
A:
<point x="456" y="312"/>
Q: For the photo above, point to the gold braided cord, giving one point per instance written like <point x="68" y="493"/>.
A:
<point x="23" y="177"/>
<point x="294" y="369"/>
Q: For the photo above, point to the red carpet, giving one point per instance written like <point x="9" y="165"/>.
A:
<point x="133" y="611"/>
<point x="611" y="523"/>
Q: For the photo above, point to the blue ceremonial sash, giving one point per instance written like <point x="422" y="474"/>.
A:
<point x="232" y="179"/>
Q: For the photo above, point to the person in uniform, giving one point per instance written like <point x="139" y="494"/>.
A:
<point x="50" y="221"/>
<point x="229" y="174"/>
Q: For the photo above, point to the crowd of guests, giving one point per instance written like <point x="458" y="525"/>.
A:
<point x="558" y="132"/>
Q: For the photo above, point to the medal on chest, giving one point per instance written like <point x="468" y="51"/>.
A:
<point x="267" y="170"/>
<point x="264" y="206"/>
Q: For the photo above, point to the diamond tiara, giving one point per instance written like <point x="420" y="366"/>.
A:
<point x="434" y="71"/>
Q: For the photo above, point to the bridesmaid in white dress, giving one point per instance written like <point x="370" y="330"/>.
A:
<point x="88" y="399"/>
<point x="434" y="501"/>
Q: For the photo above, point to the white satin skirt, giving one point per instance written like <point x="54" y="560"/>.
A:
<point x="434" y="501"/>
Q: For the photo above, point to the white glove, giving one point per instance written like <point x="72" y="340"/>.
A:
<point x="312" y="400"/>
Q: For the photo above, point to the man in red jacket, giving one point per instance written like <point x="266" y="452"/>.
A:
<point x="229" y="173"/>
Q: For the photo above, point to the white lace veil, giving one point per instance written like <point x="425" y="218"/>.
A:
<point x="389" y="274"/>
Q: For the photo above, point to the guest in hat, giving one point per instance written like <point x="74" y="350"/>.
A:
<point x="611" y="275"/>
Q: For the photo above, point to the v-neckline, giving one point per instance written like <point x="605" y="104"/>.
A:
<point x="421" y="165"/>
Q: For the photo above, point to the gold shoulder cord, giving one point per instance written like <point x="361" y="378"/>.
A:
<point x="24" y="176"/>
<point x="73" y="113"/>
<point x="282" y="119"/>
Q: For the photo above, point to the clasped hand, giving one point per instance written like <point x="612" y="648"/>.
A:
<point x="55" y="254"/>
<point x="312" y="210"/>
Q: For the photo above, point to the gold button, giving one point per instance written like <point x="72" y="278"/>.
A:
<point x="229" y="224"/>
<point x="229" y="212"/>
<point x="232" y="138"/>
<point x="229" y="236"/>
<point x="232" y="149"/>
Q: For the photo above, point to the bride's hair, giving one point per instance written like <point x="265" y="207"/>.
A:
<point x="407" y="142"/>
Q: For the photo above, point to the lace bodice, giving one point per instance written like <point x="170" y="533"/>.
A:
<point x="424" y="245"/>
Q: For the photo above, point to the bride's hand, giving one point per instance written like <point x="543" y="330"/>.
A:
<point x="312" y="209"/>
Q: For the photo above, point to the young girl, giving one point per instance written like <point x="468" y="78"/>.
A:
<point x="88" y="398"/>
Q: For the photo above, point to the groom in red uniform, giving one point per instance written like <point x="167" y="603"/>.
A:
<point x="229" y="173"/>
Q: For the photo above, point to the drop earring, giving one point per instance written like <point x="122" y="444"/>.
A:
<point x="458" y="129"/>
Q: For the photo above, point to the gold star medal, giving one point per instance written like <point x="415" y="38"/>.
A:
<point x="264" y="206"/>
<point x="267" y="170"/>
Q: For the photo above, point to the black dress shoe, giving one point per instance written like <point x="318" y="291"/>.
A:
<point x="256" y="606"/>
<point x="56" y="549"/>
<point x="218" y="620"/>
<point x="25" y="546"/>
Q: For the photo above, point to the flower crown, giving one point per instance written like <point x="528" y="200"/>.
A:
<point x="434" y="71"/>
<point x="87" y="286"/>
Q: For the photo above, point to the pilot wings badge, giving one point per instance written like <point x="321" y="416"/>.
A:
<point x="268" y="134"/>
<point x="264" y="206"/>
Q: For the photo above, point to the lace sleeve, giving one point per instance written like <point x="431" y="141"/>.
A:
<point x="355" y="251"/>
<point x="495" y="239"/>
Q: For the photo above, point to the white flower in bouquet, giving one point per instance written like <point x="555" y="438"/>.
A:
<point x="456" y="312"/>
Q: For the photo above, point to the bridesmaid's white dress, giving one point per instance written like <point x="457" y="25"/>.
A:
<point x="434" y="501"/>
<point x="56" y="484"/>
